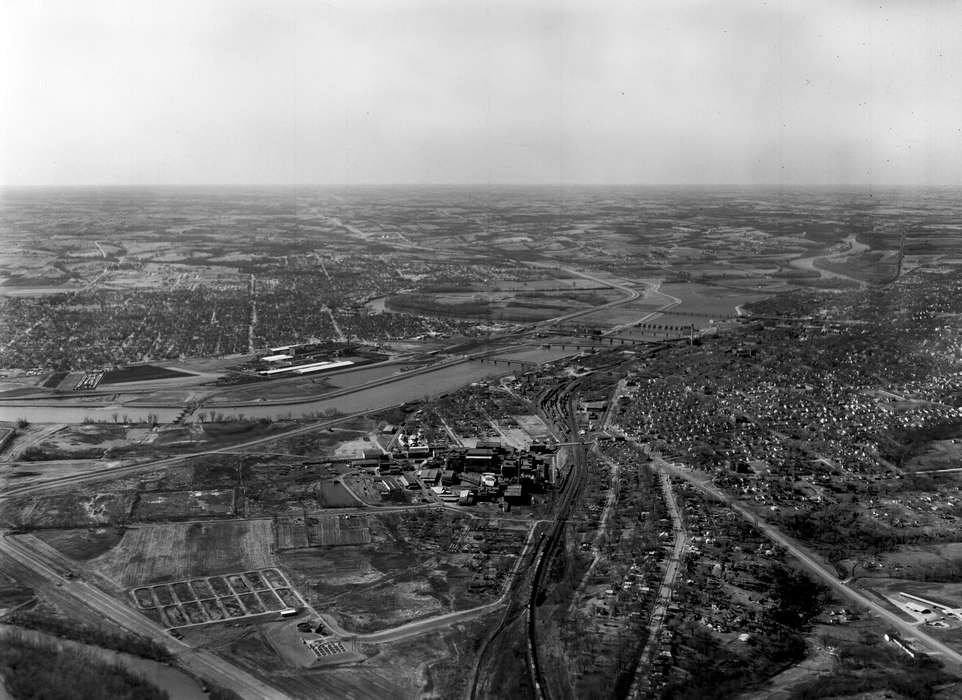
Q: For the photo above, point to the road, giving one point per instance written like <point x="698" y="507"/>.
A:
<point x="672" y="303"/>
<point x="196" y="661"/>
<point x="667" y="588"/>
<point x="630" y="295"/>
<point x="614" y="488"/>
<point x="127" y="470"/>
<point x="815" y="566"/>
<point x="615" y="480"/>
<point x="12" y="454"/>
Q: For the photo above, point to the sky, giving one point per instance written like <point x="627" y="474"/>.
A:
<point x="691" y="92"/>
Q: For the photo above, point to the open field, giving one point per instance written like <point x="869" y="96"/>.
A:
<point x="12" y="592"/>
<point x="708" y="300"/>
<point x="437" y="381"/>
<point x="501" y="305"/>
<point x="534" y="426"/>
<point x="632" y="312"/>
<point x="185" y="504"/>
<point x="69" y="511"/>
<point x="321" y="530"/>
<point x="417" y="564"/>
<point x="936" y="562"/>
<point x="153" y="553"/>
<point x="82" y="544"/>
<point x="535" y="355"/>
<point x="140" y="373"/>
<point x="368" y="374"/>
<point x="426" y="666"/>
<point x="939" y="454"/>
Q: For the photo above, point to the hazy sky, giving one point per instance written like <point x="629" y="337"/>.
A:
<point x="470" y="91"/>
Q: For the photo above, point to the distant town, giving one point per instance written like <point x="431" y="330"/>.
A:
<point x="484" y="443"/>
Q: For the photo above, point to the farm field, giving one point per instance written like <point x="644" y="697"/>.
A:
<point x="149" y="554"/>
<point x="502" y="305"/>
<point x="321" y="530"/>
<point x="710" y="301"/>
<point x="631" y="312"/>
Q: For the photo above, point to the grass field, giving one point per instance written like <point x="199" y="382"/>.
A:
<point x="153" y="553"/>
<point x="69" y="511"/>
<point x="416" y="565"/>
<point x="140" y="373"/>
<point x="184" y="504"/>
<point x="12" y="592"/>
<point x="83" y="544"/>
<point x="333" y="495"/>
<point x="710" y="301"/>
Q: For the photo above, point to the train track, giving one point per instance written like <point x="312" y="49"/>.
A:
<point x="557" y="404"/>
<point x="572" y="486"/>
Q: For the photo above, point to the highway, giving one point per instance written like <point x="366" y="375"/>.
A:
<point x="630" y="295"/>
<point x="127" y="470"/>
<point x="199" y="662"/>
<point x="812" y="563"/>
<point x="672" y="303"/>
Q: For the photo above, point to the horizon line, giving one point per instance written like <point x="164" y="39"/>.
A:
<point x="10" y="186"/>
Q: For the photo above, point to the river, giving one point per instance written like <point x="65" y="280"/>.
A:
<point x="439" y="381"/>
<point x="62" y="412"/>
<point x="416" y="386"/>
